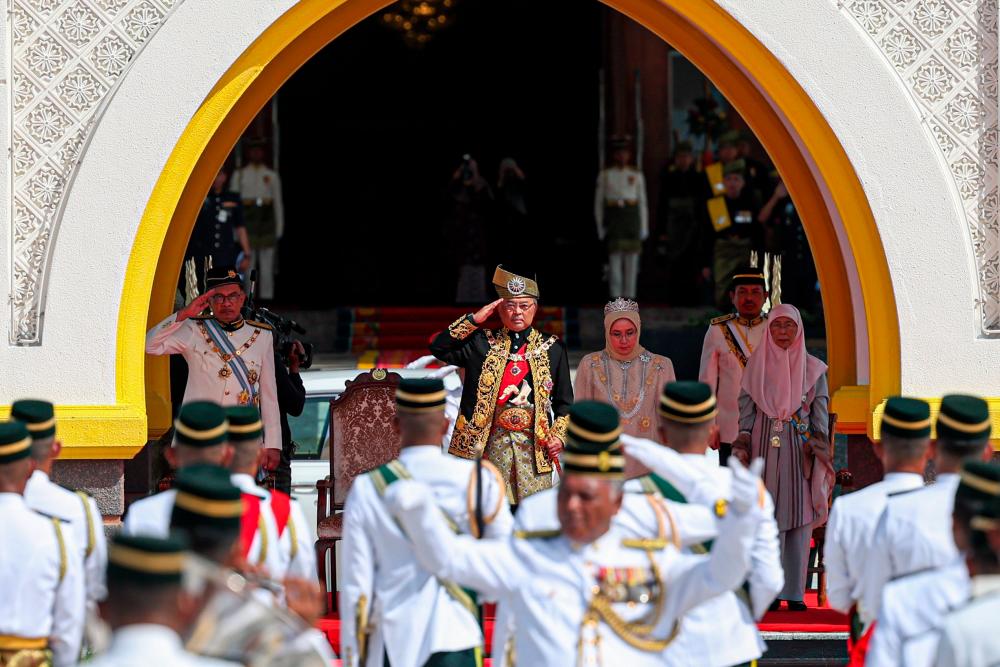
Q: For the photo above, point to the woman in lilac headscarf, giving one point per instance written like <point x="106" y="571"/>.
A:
<point x="784" y="419"/>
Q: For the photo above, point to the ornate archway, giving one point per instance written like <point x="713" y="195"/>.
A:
<point x="862" y="331"/>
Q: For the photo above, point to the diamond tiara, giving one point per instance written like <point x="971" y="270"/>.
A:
<point x="621" y="305"/>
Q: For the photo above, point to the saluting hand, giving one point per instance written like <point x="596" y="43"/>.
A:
<point x="197" y="306"/>
<point x="484" y="313"/>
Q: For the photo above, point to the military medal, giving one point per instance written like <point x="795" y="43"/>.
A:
<point x="778" y="427"/>
<point x="225" y="372"/>
<point x="253" y="377"/>
<point x="244" y="397"/>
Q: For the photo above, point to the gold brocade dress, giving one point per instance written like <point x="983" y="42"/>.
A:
<point x="633" y="387"/>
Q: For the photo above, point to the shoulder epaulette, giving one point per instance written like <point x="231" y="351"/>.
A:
<point x="536" y="534"/>
<point x="724" y="318"/>
<point x="649" y="544"/>
<point x="260" y="325"/>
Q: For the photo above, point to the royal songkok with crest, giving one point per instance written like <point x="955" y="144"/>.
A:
<point x="688" y="402"/>
<point x="147" y="560"/>
<point x="421" y="395"/>
<point x="244" y="423"/>
<point x="206" y="498"/>
<point x="593" y="447"/>
<point x="747" y="275"/>
<point x="38" y="416"/>
<point x="510" y="285"/>
<point x="223" y="275"/>
<point x="964" y="419"/>
<point x="201" y="424"/>
<point x="15" y="442"/>
<point x="906" y="418"/>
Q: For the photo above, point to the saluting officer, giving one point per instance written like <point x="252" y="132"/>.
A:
<point x="76" y="509"/>
<point x="43" y="603"/>
<point x="230" y="359"/>
<point x="600" y="597"/>
<point x="392" y="605"/>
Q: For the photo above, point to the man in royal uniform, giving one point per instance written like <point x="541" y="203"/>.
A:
<point x="230" y="359"/>
<point x="730" y="341"/>
<point x="517" y="390"/>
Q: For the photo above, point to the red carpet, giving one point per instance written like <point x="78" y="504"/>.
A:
<point x="813" y="620"/>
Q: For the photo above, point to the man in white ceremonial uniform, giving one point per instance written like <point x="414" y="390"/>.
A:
<point x="43" y="606"/>
<point x="729" y="342"/>
<point x="148" y="607"/>
<point x="622" y="215"/>
<point x="914" y="606"/>
<point x="78" y="510"/>
<point x="850" y="531"/>
<point x="259" y="187"/>
<point x="201" y="439"/>
<point x="587" y="594"/>
<point x="287" y="531"/>
<point x="230" y="359"/>
<point x="914" y="532"/>
<point x="681" y="471"/>
<point x="968" y="636"/>
<point x="394" y="611"/>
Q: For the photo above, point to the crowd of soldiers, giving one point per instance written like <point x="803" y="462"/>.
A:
<point x="597" y="523"/>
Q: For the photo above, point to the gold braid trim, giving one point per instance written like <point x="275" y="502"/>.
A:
<point x="461" y="328"/>
<point x="470" y="498"/>
<point x="361" y="628"/>
<point x="469" y="439"/>
<point x="541" y="373"/>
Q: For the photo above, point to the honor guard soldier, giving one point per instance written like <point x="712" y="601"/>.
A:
<point x="259" y="187"/>
<point x="42" y="608"/>
<point x="230" y="360"/>
<point x="682" y="472"/>
<point x="730" y="341"/>
<point x="76" y="509"/>
<point x="850" y="531"/>
<point x="968" y="637"/>
<point x="914" y="606"/>
<point x="517" y="388"/>
<point x="622" y="216"/>
<point x="915" y="529"/>
<point x="395" y="611"/>
<point x="292" y="539"/>
<point x="148" y="607"/>
<point x="586" y="593"/>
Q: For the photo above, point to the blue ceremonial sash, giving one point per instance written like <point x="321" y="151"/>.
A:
<point x="236" y="363"/>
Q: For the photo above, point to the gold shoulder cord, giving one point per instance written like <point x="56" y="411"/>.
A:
<point x="470" y="498"/>
<point x="62" y="549"/>
<point x="293" y="534"/>
<point x="91" y="533"/>
<point x="361" y="628"/>
<point x="262" y="529"/>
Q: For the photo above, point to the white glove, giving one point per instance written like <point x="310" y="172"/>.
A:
<point x="745" y="487"/>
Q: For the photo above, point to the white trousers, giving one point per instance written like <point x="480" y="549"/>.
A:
<point x="794" y="560"/>
<point x="623" y="274"/>
<point x="263" y="262"/>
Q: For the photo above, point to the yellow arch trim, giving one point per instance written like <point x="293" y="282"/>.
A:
<point x="702" y="31"/>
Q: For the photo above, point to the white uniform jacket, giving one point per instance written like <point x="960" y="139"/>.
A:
<point x="210" y="378"/>
<point x="912" y="612"/>
<point x="409" y="613"/>
<point x="43" y="583"/>
<point x="969" y="637"/>
<point x="913" y="534"/>
<point x="617" y="186"/>
<point x="80" y="512"/>
<point x="850" y="532"/>
<point x="729" y="342"/>
<point x="150" y="646"/>
<point x="550" y="583"/>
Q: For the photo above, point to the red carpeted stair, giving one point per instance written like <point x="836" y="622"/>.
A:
<point x="392" y="337"/>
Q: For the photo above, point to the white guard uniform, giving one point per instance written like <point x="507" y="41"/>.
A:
<point x="260" y="185"/>
<point x="210" y="378"/>
<point x="913" y="534"/>
<point x="703" y="482"/>
<point x="151" y="516"/>
<point x="150" y="646"/>
<point x="411" y="615"/>
<point x="729" y="342"/>
<point x="850" y="533"/>
<point x="969" y="637"/>
<point x="552" y="584"/>
<point x="621" y="185"/>
<point x="83" y="517"/>
<point x="265" y="549"/>
<point x="43" y="582"/>
<point x="297" y="544"/>
<point x="912" y="612"/>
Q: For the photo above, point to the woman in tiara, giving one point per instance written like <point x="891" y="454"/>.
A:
<point x="624" y="373"/>
<point x="784" y="419"/>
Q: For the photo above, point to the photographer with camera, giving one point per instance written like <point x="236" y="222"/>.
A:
<point x="230" y="359"/>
